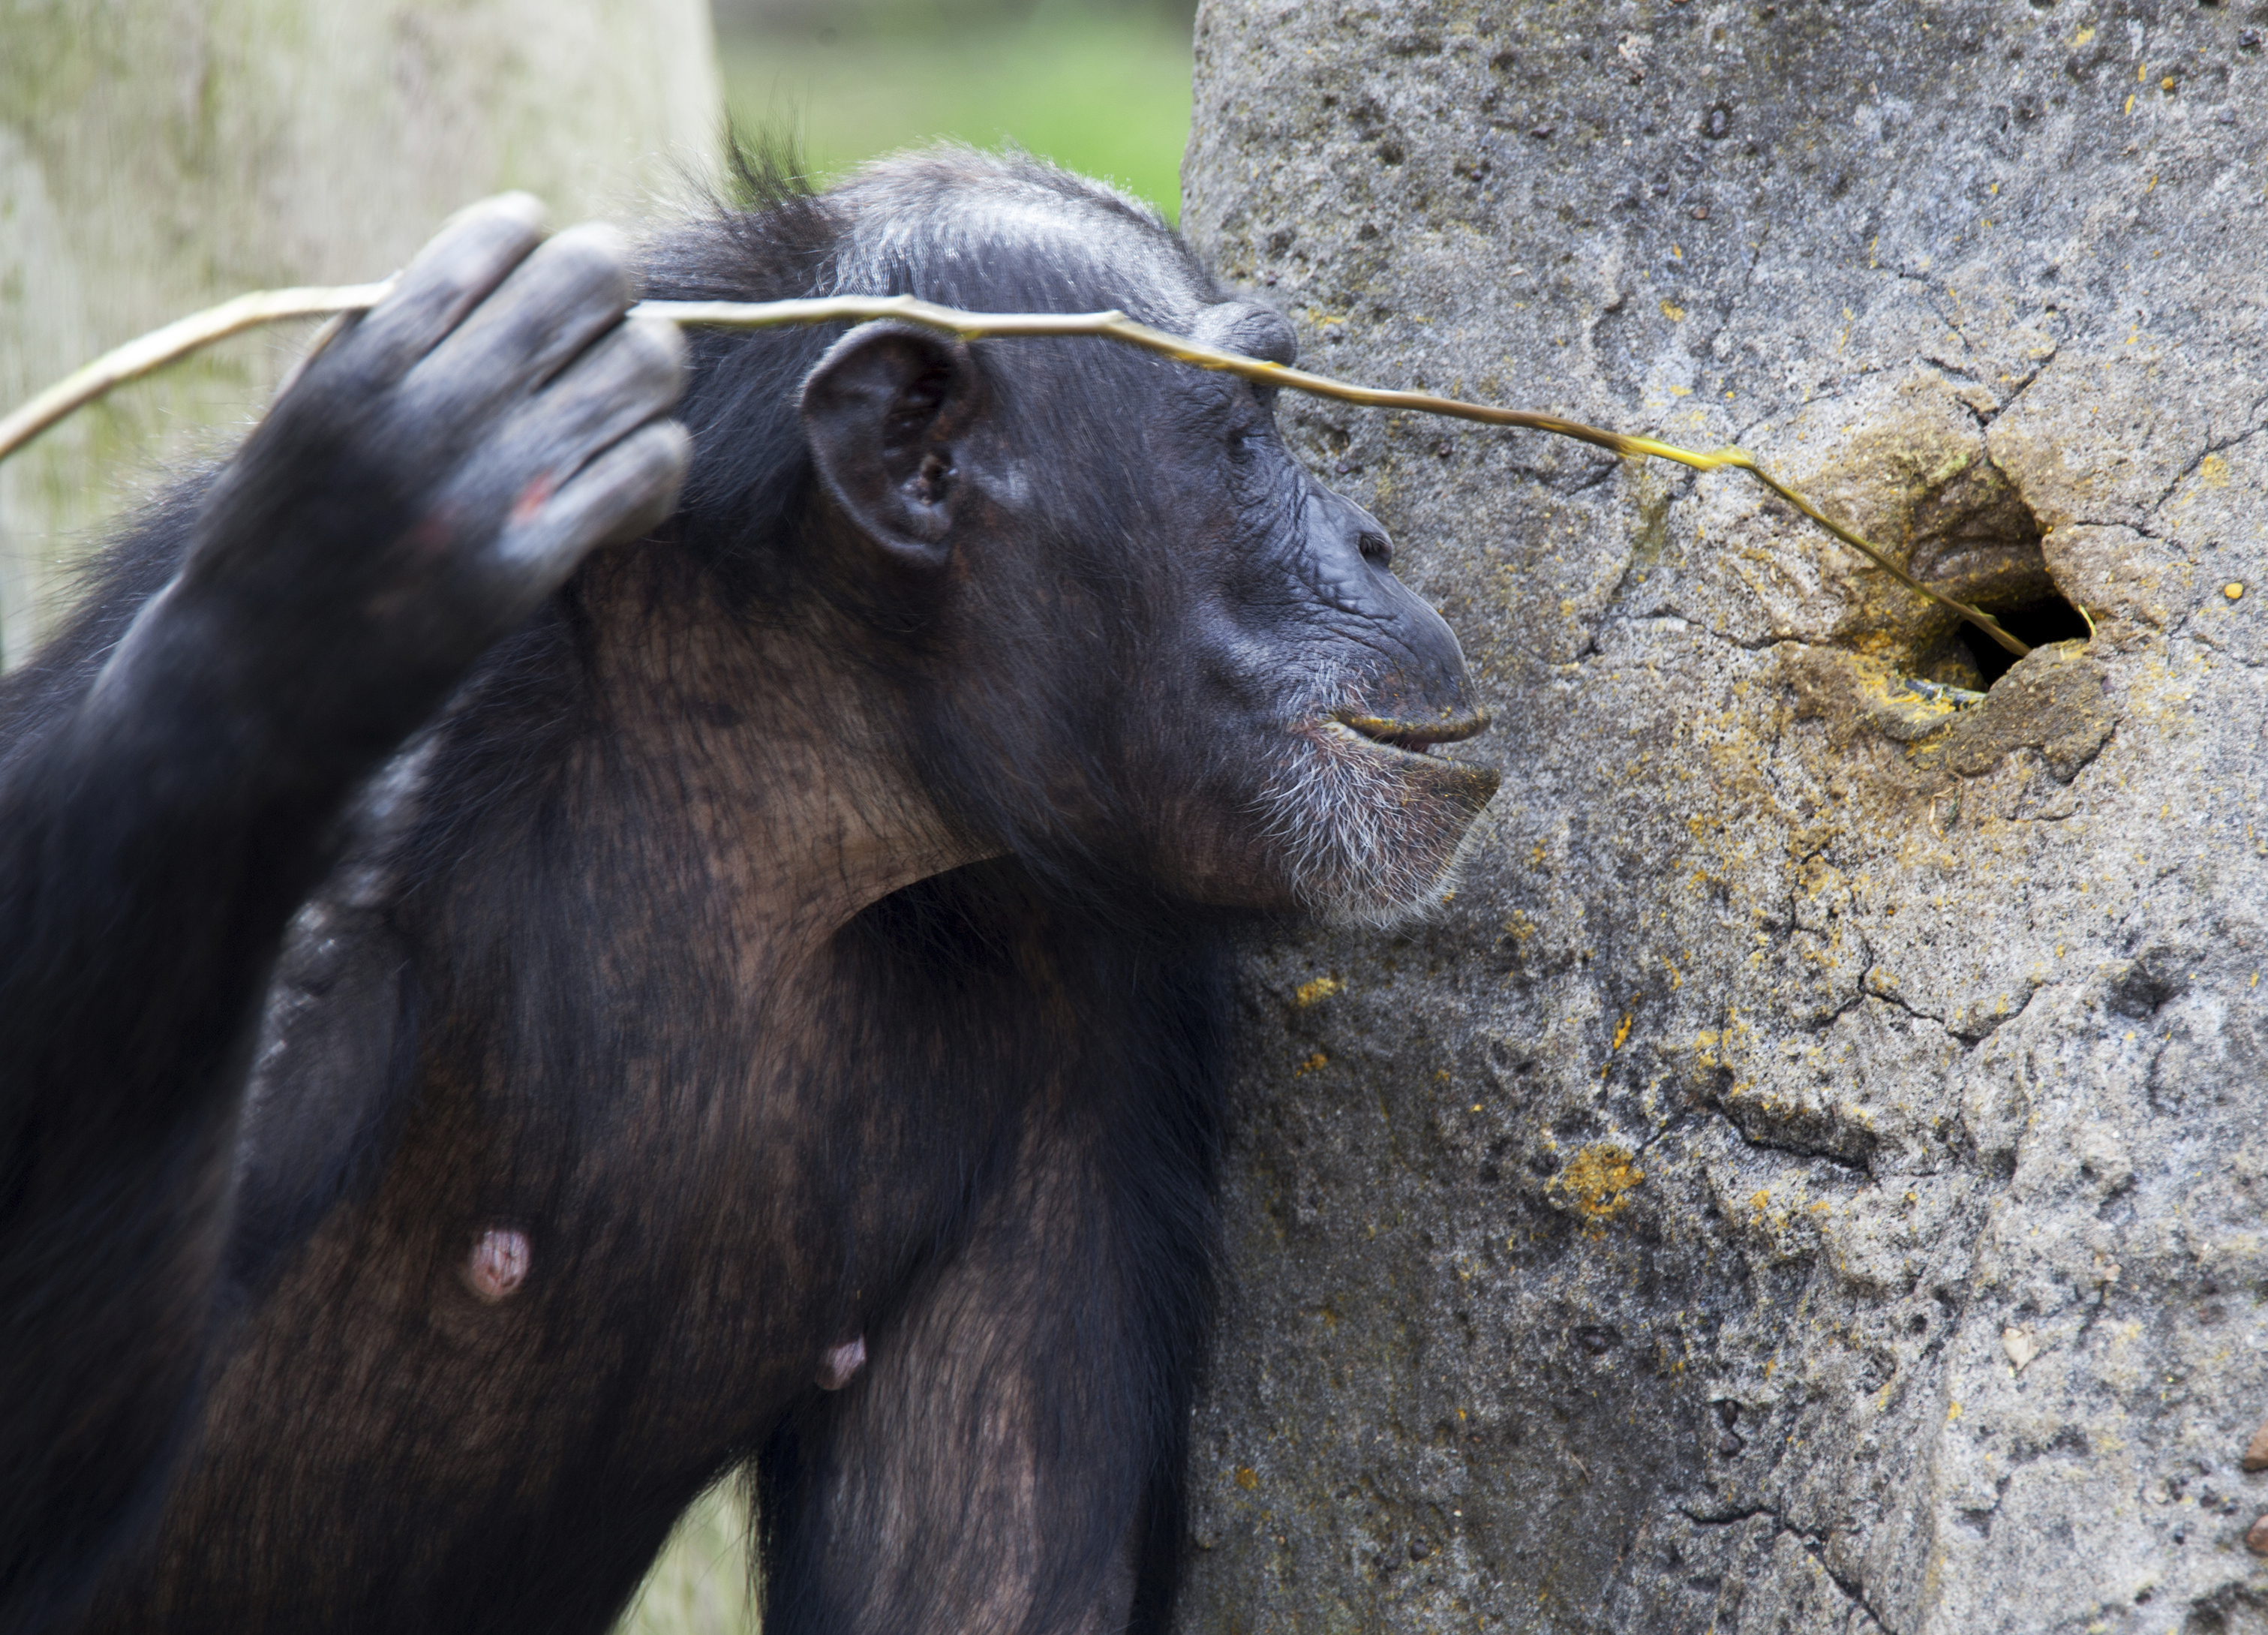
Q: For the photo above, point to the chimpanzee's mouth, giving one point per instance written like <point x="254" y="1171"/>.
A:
<point x="1413" y="737"/>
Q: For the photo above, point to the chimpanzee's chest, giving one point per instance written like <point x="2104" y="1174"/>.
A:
<point x="622" y="1231"/>
<point x="598" y="1289"/>
<point x="680" y="1260"/>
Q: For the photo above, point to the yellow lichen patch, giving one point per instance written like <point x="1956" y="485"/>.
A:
<point x="1314" y="1063"/>
<point x="1675" y="314"/>
<point x="1247" y="1478"/>
<point x="1598" y="1180"/>
<point x="1315" y="992"/>
<point x="2213" y="471"/>
<point x="1621" y="1034"/>
<point x="2234" y="590"/>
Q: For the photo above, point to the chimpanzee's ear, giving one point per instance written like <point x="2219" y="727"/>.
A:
<point x="888" y="411"/>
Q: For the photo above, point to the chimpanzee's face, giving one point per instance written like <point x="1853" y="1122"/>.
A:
<point x="1323" y="684"/>
<point x="1155" y="637"/>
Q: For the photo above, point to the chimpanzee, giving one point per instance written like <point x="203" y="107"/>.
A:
<point x="495" y="1036"/>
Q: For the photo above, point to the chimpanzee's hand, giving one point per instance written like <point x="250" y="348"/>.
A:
<point x="435" y="472"/>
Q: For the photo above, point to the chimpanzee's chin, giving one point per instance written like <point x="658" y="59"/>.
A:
<point x="1367" y="834"/>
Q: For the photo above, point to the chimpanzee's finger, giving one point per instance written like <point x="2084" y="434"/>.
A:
<point x="630" y="376"/>
<point x="629" y="488"/>
<point x="474" y="252"/>
<point x="570" y="291"/>
<point x="626" y="378"/>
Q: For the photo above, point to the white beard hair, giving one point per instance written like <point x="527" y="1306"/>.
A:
<point x="1359" y="844"/>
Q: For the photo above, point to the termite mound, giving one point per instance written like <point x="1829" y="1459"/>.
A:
<point x="1912" y="470"/>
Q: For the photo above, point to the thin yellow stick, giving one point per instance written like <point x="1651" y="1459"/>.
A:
<point x="175" y="341"/>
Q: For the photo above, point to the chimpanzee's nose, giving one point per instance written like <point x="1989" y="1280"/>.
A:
<point x="1420" y="693"/>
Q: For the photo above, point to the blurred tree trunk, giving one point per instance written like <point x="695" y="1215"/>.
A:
<point x="156" y="155"/>
<point x="1811" y="1178"/>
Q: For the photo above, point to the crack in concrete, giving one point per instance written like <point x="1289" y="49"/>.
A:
<point x="1958" y="372"/>
<point x="1763" y="643"/>
<point x="1853" y="1589"/>
<point x="2204" y="454"/>
<point x="1991" y="1025"/>
<point x="1892" y="999"/>
<point x="1715" y="1104"/>
<point x="1597" y="474"/>
<point x="2203" y="640"/>
<point x="2132" y="527"/>
<point x="1859" y="997"/>
<point x="2039" y="370"/>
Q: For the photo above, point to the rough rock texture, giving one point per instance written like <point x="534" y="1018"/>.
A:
<point x="159" y="156"/>
<point x="1812" y="1175"/>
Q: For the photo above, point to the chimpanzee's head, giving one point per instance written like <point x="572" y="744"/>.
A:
<point x="1133" y="638"/>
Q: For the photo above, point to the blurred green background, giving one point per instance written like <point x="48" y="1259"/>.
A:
<point x="1102" y="86"/>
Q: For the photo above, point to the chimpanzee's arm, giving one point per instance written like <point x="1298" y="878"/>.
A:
<point x="1007" y="1455"/>
<point x="435" y="472"/>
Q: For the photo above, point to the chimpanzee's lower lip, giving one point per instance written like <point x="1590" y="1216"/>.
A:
<point x="1414" y="737"/>
<point x="1458" y="782"/>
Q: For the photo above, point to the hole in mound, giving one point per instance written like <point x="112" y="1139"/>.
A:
<point x="2035" y="621"/>
<point x="1976" y="539"/>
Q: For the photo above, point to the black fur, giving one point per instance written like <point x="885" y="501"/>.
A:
<point x="534" y="988"/>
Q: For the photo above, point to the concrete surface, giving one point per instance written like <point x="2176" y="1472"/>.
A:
<point x="1809" y="1176"/>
